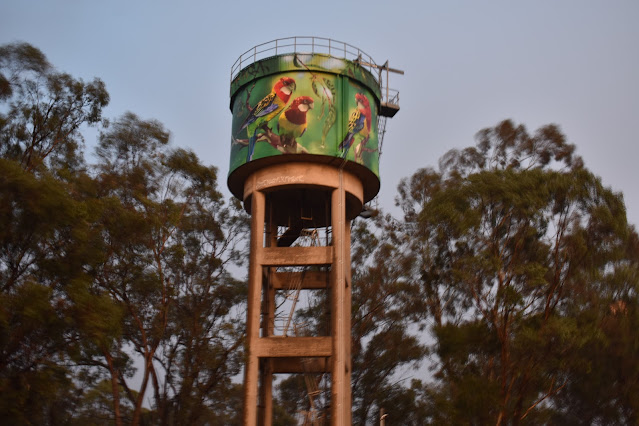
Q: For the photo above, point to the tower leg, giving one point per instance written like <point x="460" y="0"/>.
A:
<point x="268" y="325"/>
<point x="253" y="310"/>
<point x="338" y="309"/>
<point x="265" y="412"/>
<point x="267" y="354"/>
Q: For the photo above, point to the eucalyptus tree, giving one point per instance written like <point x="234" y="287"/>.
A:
<point x="387" y="345"/>
<point x="169" y="243"/>
<point x="46" y="239"/>
<point x="44" y="109"/>
<point x="114" y="276"/>
<point x="519" y="252"/>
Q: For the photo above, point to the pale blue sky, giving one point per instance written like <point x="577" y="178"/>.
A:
<point x="469" y="64"/>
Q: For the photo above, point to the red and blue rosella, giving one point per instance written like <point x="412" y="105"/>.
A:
<point x="359" y="124"/>
<point x="267" y="109"/>
<point x="292" y="123"/>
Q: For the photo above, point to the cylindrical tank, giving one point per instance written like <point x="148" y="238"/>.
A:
<point x="315" y="109"/>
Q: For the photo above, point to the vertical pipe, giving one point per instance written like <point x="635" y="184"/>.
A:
<point x="253" y="309"/>
<point x="338" y="336"/>
<point x="386" y="81"/>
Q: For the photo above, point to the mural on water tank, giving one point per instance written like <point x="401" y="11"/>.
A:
<point x="306" y="111"/>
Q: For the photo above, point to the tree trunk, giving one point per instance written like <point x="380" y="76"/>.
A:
<point x="115" y="388"/>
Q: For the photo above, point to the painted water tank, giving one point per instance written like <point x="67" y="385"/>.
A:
<point x="305" y="99"/>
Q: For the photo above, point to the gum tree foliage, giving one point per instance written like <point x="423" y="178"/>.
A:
<point x="109" y="269"/>
<point x="45" y="240"/>
<point x="528" y="275"/>
<point x="604" y="384"/>
<point x="386" y="345"/>
<point x="169" y="241"/>
<point x="43" y="109"/>
<point x="45" y="232"/>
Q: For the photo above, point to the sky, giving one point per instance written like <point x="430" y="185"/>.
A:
<point x="468" y="65"/>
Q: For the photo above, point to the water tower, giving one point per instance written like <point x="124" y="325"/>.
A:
<point x="308" y="122"/>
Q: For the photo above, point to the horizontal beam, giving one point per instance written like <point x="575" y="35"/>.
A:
<point x="300" y="365"/>
<point x="277" y="347"/>
<point x="310" y="280"/>
<point x="295" y="256"/>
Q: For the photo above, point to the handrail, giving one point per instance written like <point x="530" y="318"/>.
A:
<point x="319" y="45"/>
<point x="392" y="97"/>
<point x="303" y="44"/>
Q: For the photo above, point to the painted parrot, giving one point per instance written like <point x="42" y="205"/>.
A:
<point x="292" y="123"/>
<point x="359" y="123"/>
<point x="267" y="109"/>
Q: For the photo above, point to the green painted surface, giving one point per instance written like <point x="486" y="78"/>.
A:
<point x="305" y="62"/>
<point x="326" y="107"/>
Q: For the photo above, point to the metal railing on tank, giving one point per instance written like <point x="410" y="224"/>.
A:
<point x="390" y="96"/>
<point x="304" y="45"/>
<point x="389" y="101"/>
